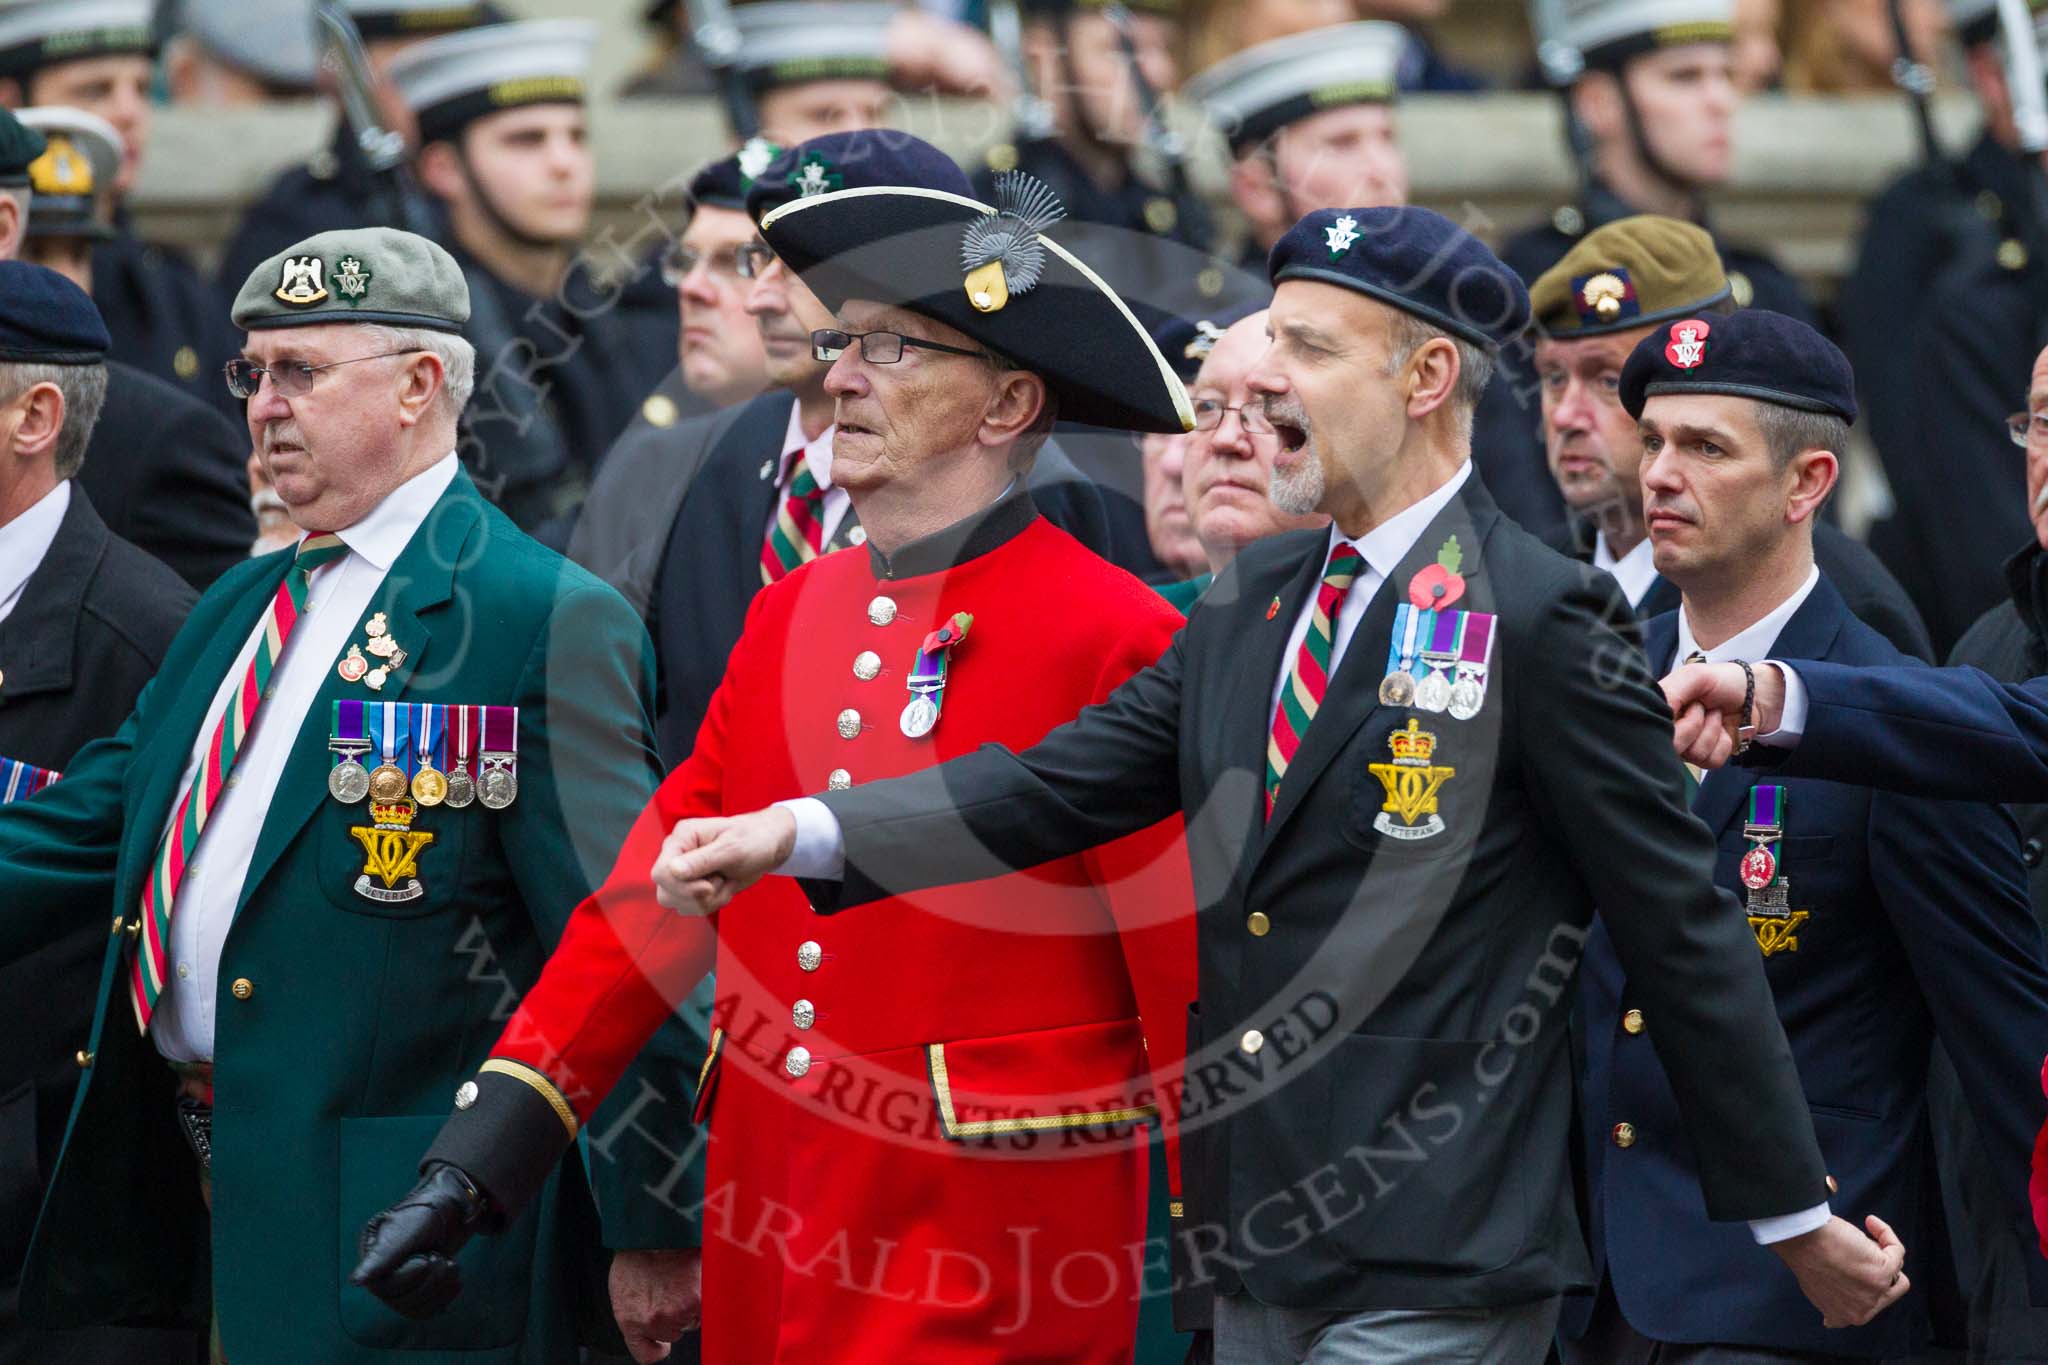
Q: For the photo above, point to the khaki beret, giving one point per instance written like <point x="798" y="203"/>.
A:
<point x="1631" y="273"/>
<point x="373" y="274"/>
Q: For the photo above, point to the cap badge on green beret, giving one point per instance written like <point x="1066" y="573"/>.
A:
<point x="1687" y="348"/>
<point x="351" y="281"/>
<point x="754" y="158"/>
<point x="814" y="176"/>
<point x="1341" y="235"/>
<point x="1605" y="296"/>
<point x="1207" y="334"/>
<point x="300" y="281"/>
<point x="1001" y="252"/>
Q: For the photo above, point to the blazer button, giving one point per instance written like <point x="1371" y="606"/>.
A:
<point x="117" y="926"/>
<point x="243" y="988"/>
<point x="1833" y="1188"/>
<point x="84" y="1060"/>
<point x="2032" y="852"/>
<point x="1259" y="925"/>
<point x="1252" y="1041"/>
<point x="1632" y="1022"/>
<point x="1624" y="1135"/>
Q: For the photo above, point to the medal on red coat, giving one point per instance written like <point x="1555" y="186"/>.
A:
<point x="1771" y="916"/>
<point x="928" y="676"/>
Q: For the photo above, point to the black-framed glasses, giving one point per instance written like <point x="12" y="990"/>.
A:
<point x="291" y="378"/>
<point x="2021" y="424"/>
<point x="1209" y="413"/>
<point x="752" y="259"/>
<point x="879" y="348"/>
<point x="679" y="260"/>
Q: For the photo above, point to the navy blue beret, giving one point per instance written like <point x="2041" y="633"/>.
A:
<point x="1412" y="259"/>
<point x="724" y="183"/>
<point x="45" y="319"/>
<point x="867" y="158"/>
<point x="1753" y="353"/>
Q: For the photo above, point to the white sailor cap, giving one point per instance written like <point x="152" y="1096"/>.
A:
<point x="1253" y="94"/>
<point x="789" y="42"/>
<point x="1607" y="33"/>
<point x="69" y="183"/>
<point x="39" y="33"/>
<point x="450" y="81"/>
<point x="276" y="41"/>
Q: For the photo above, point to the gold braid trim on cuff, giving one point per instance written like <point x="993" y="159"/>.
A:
<point x="519" y="1071"/>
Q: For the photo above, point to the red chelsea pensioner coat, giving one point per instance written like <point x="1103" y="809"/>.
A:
<point x="925" y="1112"/>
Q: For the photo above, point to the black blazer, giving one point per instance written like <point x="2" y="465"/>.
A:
<point x="1858" y="576"/>
<point x="91" y="626"/>
<point x="169" y="475"/>
<point x="1916" y="926"/>
<point x="1397" y="1135"/>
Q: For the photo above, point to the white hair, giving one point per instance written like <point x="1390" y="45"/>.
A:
<point x="457" y="356"/>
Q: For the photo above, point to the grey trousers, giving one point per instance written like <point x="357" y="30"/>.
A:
<point x="1251" y="1333"/>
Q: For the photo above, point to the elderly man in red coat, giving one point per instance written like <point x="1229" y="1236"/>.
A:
<point x="924" y="1119"/>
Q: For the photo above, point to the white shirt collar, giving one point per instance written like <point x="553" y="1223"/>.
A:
<point x="1752" y="642"/>
<point x="817" y="454"/>
<point x="382" y="534"/>
<point x="1387" y="544"/>
<point x="1636" y="571"/>
<point x="26" y="539"/>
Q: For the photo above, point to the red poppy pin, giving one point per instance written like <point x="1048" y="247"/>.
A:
<point x="1439" y="585"/>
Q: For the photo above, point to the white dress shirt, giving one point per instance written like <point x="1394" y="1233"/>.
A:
<point x="338" y="593"/>
<point x="25" y="540"/>
<point x="1636" y="571"/>
<point x="818" y="455"/>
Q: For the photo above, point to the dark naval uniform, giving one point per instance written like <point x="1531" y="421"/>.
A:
<point x="332" y="190"/>
<point x="170" y="474"/>
<point x="1908" y="923"/>
<point x="164" y="317"/>
<point x="91" y="626"/>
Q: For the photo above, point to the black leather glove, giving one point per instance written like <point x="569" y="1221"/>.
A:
<point x="408" y="1251"/>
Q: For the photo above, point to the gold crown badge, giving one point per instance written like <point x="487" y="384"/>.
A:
<point x="392" y="814"/>
<point x="1413" y="745"/>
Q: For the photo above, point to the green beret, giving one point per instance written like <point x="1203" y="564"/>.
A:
<point x="19" y="148"/>
<point x="1631" y="273"/>
<point x="373" y="274"/>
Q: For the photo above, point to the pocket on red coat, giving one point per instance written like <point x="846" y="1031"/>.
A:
<point x="1085" y="1076"/>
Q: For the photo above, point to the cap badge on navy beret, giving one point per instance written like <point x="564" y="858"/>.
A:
<point x="1001" y="251"/>
<point x="814" y="176"/>
<point x="1207" y="334"/>
<point x="1341" y="235"/>
<point x="1687" y="348"/>
<point x="754" y="158"/>
<point x="300" y="281"/>
<point x="1606" y="296"/>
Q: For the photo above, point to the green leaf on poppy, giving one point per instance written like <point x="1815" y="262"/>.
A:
<point x="1451" y="557"/>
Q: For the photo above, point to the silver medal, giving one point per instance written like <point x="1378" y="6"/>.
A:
<point x="348" y="781"/>
<point x="461" y="788"/>
<point x="920" y="716"/>
<point x="1467" y="696"/>
<point x="500" y="784"/>
<point x="1433" y="693"/>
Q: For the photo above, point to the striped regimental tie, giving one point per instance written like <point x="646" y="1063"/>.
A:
<point x="227" y="731"/>
<point x="798" y="535"/>
<point x="1309" y="679"/>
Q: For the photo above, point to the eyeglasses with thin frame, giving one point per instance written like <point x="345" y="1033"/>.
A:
<point x="879" y="348"/>
<point x="679" y="260"/>
<point x="1252" y="417"/>
<point x="751" y="259"/>
<point x="2021" y="424"/>
<point x="290" y="378"/>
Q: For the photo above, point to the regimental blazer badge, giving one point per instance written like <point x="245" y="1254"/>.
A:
<point x="391" y="853"/>
<point x="1412" y="783"/>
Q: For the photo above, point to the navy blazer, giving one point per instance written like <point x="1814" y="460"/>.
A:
<point x="1917" y="926"/>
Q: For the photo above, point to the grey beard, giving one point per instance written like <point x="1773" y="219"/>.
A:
<point x="1298" y="489"/>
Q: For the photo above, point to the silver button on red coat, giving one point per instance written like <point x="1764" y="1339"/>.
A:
<point x="809" y="954"/>
<point x="798" y="1061"/>
<point x="867" y="665"/>
<point x="849" y="724"/>
<point x="803" y="1014"/>
<point x="838" y="780"/>
<point x="882" y="611"/>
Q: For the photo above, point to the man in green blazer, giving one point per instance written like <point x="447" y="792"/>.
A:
<point x="334" y="842"/>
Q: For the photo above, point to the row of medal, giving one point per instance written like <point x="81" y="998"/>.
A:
<point x="1437" y="661"/>
<point x="452" y="754"/>
<point x="19" y="781"/>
